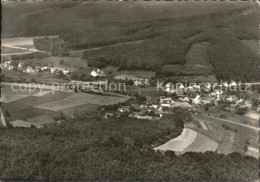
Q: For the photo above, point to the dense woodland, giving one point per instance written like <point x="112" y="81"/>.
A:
<point x="148" y="40"/>
<point x="113" y="149"/>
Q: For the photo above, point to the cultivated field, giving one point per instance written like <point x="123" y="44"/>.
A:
<point x="81" y="99"/>
<point x="41" y="120"/>
<point x="181" y="142"/>
<point x="132" y="75"/>
<point x="202" y="144"/>
<point x="9" y="95"/>
<point x="253" y="115"/>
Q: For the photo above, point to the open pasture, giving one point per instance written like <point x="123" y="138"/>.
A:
<point x="10" y="50"/>
<point x="29" y="112"/>
<point x="181" y="142"/>
<point x="44" y="77"/>
<point x="132" y="75"/>
<point x="253" y="115"/>
<point x="10" y="94"/>
<point x="31" y="101"/>
<point x="41" y="120"/>
<point x="81" y="99"/>
<point x="86" y="108"/>
<point x="21" y="123"/>
<point x="197" y="59"/>
<point x="202" y="144"/>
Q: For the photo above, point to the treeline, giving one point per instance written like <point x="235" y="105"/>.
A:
<point x="34" y="55"/>
<point x="113" y="149"/>
<point x="55" y="46"/>
<point x="233" y="61"/>
<point x="116" y="41"/>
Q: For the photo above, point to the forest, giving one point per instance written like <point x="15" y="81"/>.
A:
<point x="88" y="148"/>
<point x="139" y="37"/>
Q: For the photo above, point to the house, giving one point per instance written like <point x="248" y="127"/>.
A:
<point x="45" y="68"/>
<point x="145" y="117"/>
<point x="225" y="84"/>
<point x="141" y="82"/>
<point x="20" y="65"/>
<point x="164" y="99"/>
<point x="107" y="115"/>
<point x="124" y="109"/>
<point x="232" y="84"/>
<point x="94" y="73"/>
<point x="53" y="70"/>
<point x="136" y="106"/>
<point x="196" y="100"/>
<point x="66" y="71"/>
<point x="166" y="105"/>
<point x="137" y="83"/>
<point x="185" y="99"/>
<point x="97" y="73"/>
<point x="30" y="70"/>
<point x="10" y="67"/>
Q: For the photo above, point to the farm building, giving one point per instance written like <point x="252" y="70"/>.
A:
<point x="30" y="70"/>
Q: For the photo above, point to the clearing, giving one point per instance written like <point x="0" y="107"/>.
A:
<point x="81" y="99"/>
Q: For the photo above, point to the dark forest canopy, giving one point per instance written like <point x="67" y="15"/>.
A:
<point x="147" y="38"/>
<point x="113" y="149"/>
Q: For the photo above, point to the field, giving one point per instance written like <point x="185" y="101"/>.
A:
<point x="181" y="142"/>
<point x="132" y="75"/>
<point x="9" y="95"/>
<point x="44" y="77"/>
<point x="17" y="46"/>
<point x="253" y="115"/>
<point x="197" y="59"/>
<point x="40" y="108"/>
<point x="189" y="141"/>
<point x="81" y="99"/>
<point x="202" y="144"/>
<point x="10" y="50"/>
<point x="228" y="140"/>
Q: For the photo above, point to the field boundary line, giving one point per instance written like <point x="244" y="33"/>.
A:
<point x="248" y="126"/>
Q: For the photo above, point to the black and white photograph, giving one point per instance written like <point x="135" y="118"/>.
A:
<point x="117" y="90"/>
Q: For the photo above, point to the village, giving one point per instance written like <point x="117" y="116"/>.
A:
<point x="196" y="97"/>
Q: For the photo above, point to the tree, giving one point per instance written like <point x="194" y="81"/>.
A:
<point x="7" y="113"/>
<point x="206" y="108"/>
<point x="62" y="116"/>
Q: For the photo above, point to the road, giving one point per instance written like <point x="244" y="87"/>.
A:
<point x="55" y="88"/>
<point x="248" y="130"/>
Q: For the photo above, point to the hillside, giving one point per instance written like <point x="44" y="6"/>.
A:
<point x="153" y="35"/>
<point x="113" y="149"/>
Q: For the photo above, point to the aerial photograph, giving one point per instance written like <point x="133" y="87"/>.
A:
<point x="116" y="90"/>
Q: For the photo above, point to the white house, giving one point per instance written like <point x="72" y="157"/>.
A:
<point x="137" y="83"/>
<point x="233" y="84"/>
<point x="30" y="70"/>
<point x="196" y="100"/>
<point x="53" y="69"/>
<point x="66" y="71"/>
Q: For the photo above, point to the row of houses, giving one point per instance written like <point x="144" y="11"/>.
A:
<point x="179" y="88"/>
<point x="152" y="108"/>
